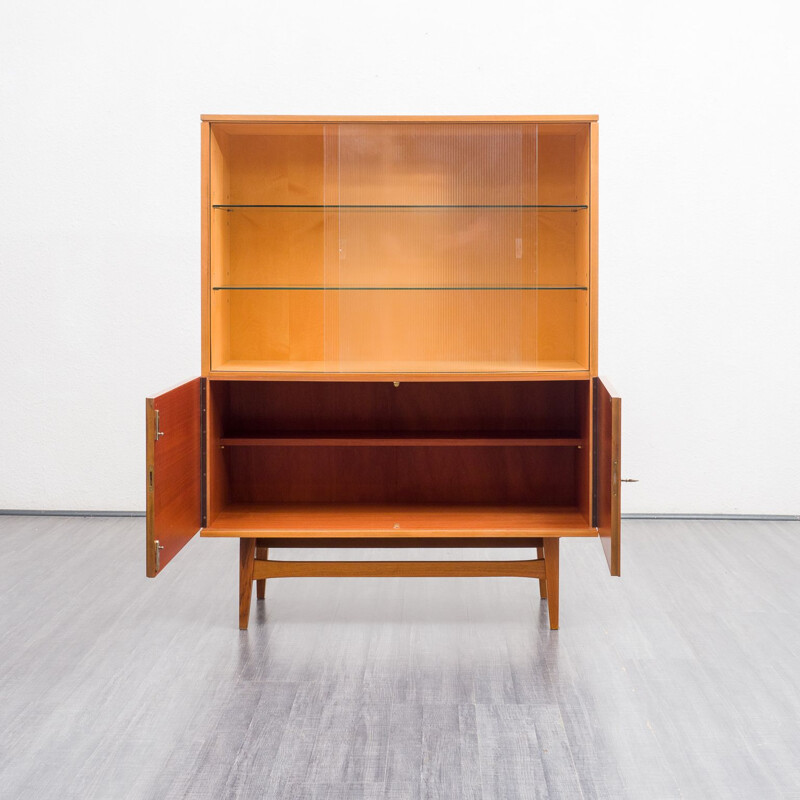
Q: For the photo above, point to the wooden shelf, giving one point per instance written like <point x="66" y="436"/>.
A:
<point x="314" y="520"/>
<point x="417" y="439"/>
<point x="388" y="367"/>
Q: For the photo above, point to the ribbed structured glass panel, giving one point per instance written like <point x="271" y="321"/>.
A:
<point x="436" y="246"/>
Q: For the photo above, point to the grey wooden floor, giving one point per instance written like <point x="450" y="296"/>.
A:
<point x="678" y="680"/>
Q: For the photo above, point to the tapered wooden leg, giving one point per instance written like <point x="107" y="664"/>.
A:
<point x="262" y="553"/>
<point x="542" y="581"/>
<point x="551" y="573"/>
<point x="247" y="551"/>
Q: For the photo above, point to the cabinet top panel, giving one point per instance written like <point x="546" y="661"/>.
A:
<point x="541" y="118"/>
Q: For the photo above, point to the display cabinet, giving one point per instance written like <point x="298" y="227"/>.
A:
<point x="399" y="349"/>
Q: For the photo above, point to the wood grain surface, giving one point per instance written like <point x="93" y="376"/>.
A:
<point x="312" y="520"/>
<point x="255" y="408"/>
<point x="174" y="472"/>
<point x="608" y="437"/>
<point x="282" y="118"/>
<point x="247" y="550"/>
<point x="551" y="549"/>
<point x="530" y="568"/>
<point x="360" y="439"/>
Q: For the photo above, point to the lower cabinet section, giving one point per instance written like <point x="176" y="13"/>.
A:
<point x="523" y="445"/>
<point x="371" y="464"/>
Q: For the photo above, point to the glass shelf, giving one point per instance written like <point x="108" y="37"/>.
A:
<point x="402" y="288"/>
<point x="398" y="207"/>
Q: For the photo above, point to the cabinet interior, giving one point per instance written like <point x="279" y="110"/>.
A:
<point x="277" y="447"/>
<point x="399" y="248"/>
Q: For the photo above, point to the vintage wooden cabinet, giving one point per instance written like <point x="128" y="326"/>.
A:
<point x="399" y="349"/>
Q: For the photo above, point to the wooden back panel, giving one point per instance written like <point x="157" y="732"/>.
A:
<point x="468" y="474"/>
<point x="528" y="476"/>
<point x="554" y="408"/>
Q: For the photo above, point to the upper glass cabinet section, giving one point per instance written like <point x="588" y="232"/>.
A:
<point x="397" y="248"/>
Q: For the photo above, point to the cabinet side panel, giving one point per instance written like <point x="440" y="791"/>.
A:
<point x="217" y="482"/>
<point x="593" y="244"/>
<point x="583" y="473"/>
<point x="205" y="210"/>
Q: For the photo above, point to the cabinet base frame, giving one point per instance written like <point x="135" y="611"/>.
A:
<point x="255" y="565"/>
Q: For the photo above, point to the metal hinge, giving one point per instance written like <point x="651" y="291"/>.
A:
<point x="157" y="426"/>
<point x="158" y="548"/>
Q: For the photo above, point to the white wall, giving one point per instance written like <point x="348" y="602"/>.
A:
<point x="700" y="211"/>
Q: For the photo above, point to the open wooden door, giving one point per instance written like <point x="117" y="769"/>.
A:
<point x="607" y="430"/>
<point x="174" y="471"/>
